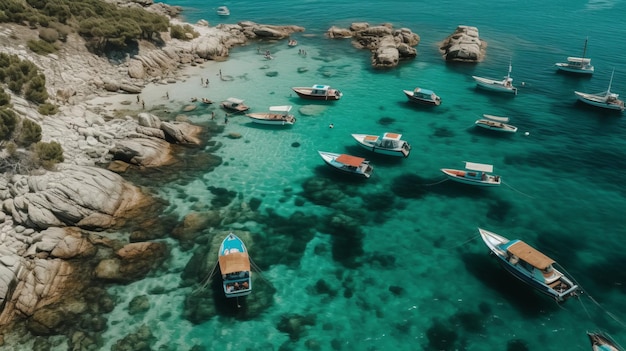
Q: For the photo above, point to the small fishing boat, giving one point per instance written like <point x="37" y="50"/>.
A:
<point x="390" y="144"/>
<point x="235" y="267"/>
<point x="423" y="96"/>
<point x="223" y="11"/>
<point x="318" y="92"/>
<point x="348" y="164"/>
<point x="234" y="105"/>
<point x="605" y="99"/>
<point x="495" y="123"/>
<point x="531" y="266"/>
<point x="292" y="43"/>
<point x="474" y="174"/>
<point x="580" y="65"/>
<point x="503" y="86"/>
<point x="602" y="342"/>
<point x="206" y="101"/>
<point x="277" y="115"/>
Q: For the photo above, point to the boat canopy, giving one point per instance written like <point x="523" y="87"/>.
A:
<point x="234" y="100"/>
<point x="234" y="262"/>
<point x="423" y="91"/>
<point x="529" y="254"/>
<point x="392" y="136"/>
<point x="579" y="60"/>
<point x="478" y="167"/>
<point x="350" y="160"/>
<point x="321" y="87"/>
<point x="284" y="108"/>
<point x="496" y="118"/>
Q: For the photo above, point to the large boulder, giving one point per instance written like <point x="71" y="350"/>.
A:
<point x="67" y="196"/>
<point x="464" y="45"/>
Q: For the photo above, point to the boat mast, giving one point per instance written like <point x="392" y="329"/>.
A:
<point x="608" y="90"/>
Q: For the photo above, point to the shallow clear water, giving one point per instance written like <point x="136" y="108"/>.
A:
<point x="416" y="274"/>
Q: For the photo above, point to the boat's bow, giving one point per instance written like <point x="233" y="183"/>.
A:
<point x="493" y="241"/>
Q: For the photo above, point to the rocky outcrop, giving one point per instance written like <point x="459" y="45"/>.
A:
<point x="67" y="197"/>
<point x="464" y="45"/>
<point x="388" y="46"/>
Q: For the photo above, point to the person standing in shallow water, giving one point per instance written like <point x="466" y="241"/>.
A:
<point x="226" y="119"/>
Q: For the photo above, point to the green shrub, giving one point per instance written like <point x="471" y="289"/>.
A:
<point x="48" y="109"/>
<point x="48" y="153"/>
<point x="49" y="35"/>
<point x="5" y="99"/>
<point x="180" y="32"/>
<point x="29" y="134"/>
<point x="41" y="47"/>
<point x="8" y="121"/>
<point x="36" y="89"/>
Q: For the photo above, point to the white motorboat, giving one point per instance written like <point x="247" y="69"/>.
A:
<point x="348" y="164"/>
<point x="474" y="174"/>
<point x="390" y="144"/>
<point x="277" y="115"/>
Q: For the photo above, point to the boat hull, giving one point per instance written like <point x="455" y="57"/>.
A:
<point x="564" y="67"/>
<point x="421" y="101"/>
<point x="600" y="342"/>
<point x="495" y="126"/>
<point x="494" y="85"/>
<point x="459" y="176"/>
<point x="307" y="93"/>
<point x="270" y="119"/>
<point x="593" y="100"/>
<point x="403" y="151"/>
<point x="363" y="171"/>
<point x="236" y="283"/>
<point x="494" y="241"/>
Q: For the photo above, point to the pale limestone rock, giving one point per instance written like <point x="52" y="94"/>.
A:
<point x="146" y="152"/>
<point x="463" y="45"/>
<point x="135" y="69"/>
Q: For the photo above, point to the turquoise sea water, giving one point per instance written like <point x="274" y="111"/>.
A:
<point x="396" y="262"/>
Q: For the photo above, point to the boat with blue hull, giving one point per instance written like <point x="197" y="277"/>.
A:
<point x="234" y="265"/>
<point x="602" y="342"/>
<point x="531" y="266"/>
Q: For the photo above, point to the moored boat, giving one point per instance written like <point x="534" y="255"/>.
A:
<point x="277" y="115"/>
<point x="503" y="86"/>
<point x="495" y="123"/>
<point x="348" y="164"/>
<point x="474" y="174"/>
<point x="605" y="99"/>
<point x="531" y="266"/>
<point x="234" y="265"/>
<point x="602" y="342"/>
<point x="234" y="104"/>
<point x="318" y="92"/>
<point x="577" y="64"/>
<point x="423" y="96"/>
<point x="223" y="11"/>
<point x="390" y="144"/>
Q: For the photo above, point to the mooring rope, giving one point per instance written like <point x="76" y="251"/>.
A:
<point x="258" y="271"/>
<point x="205" y="281"/>
<point x="512" y="188"/>
<point x="439" y="182"/>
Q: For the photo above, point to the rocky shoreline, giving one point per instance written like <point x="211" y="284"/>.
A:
<point x="55" y="246"/>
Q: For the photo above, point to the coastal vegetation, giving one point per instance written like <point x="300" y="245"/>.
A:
<point x="23" y="78"/>
<point x="104" y="26"/>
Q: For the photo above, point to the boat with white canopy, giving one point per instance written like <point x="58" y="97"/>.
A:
<point x="474" y="174"/>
